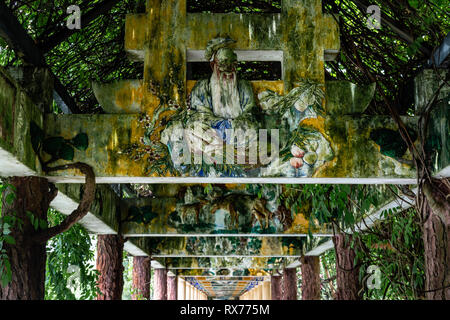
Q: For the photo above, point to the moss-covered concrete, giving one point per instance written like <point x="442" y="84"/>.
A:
<point x="356" y="154"/>
<point x="344" y="97"/>
<point x="17" y="110"/>
<point x="247" y="273"/>
<point x="426" y="85"/>
<point x="163" y="35"/>
<point x="222" y="246"/>
<point x="127" y="96"/>
<point x="225" y="263"/>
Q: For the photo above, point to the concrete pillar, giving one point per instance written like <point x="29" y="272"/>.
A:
<point x="160" y="284"/>
<point x="172" y="288"/>
<point x="347" y="273"/>
<point x="275" y="286"/>
<point x="141" y="278"/>
<point x="310" y="277"/>
<point x="266" y="290"/>
<point x="38" y="84"/>
<point x="181" y="289"/>
<point x="110" y="266"/>
<point x="259" y="292"/>
<point x="290" y="284"/>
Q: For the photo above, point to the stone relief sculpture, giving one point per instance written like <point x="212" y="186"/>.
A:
<point x="224" y="115"/>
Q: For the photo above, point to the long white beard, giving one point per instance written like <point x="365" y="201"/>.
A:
<point x="225" y="96"/>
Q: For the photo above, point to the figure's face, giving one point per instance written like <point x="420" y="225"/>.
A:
<point x="226" y="61"/>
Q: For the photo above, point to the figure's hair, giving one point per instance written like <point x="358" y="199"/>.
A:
<point x="215" y="44"/>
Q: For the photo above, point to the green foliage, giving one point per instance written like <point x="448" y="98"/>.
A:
<point x="36" y="222"/>
<point x="7" y="224"/>
<point x="395" y="245"/>
<point x="410" y="29"/>
<point x="85" y="56"/>
<point x="127" y="276"/>
<point x="248" y="70"/>
<point x="72" y="248"/>
<point x="328" y="275"/>
<point x="339" y="205"/>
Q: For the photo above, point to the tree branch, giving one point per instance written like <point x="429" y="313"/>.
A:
<point x="83" y="207"/>
<point x="99" y="9"/>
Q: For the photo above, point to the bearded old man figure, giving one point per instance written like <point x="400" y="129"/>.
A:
<point x="221" y="112"/>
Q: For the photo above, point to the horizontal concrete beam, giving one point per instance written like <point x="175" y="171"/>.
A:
<point x="195" y="180"/>
<point x="225" y="263"/>
<point x="220" y="247"/>
<point x="219" y="273"/>
<point x="172" y="217"/>
<point x="267" y="27"/>
<point x="357" y="159"/>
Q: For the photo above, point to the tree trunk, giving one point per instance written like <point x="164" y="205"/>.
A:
<point x="110" y="267"/>
<point x="160" y="284"/>
<point x="347" y="273"/>
<point x="275" y="287"/>
<point x="172" y="288"/>
<point x="27" y="257"/>
<point x="290" y="284"/>
<point x="436" y="238"/>
<point x="141" y="278"/>
<point x="310" y="278"/>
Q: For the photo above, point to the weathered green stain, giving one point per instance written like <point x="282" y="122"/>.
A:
<point x="346" y="98"/>
<point x="213" y="246"/>
<point x="230" y="210"/>
<point x="17" y="111"/>
<point x="228" y="262"/>
<point x="356" y="154"/>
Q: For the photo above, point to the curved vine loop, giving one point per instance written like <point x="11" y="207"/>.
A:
<point x="83" y="207"/>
